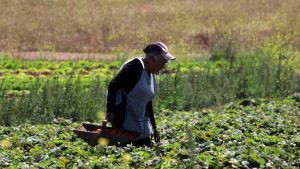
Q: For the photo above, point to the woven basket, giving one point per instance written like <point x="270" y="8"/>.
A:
<point x="88" y="133"/>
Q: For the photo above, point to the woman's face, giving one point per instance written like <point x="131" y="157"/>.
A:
<point x="157" y="64"/>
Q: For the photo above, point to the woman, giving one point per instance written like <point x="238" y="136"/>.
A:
<point x="130" y="93"/>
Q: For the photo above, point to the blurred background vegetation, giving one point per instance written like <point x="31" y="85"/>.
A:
<point x="126" y="25"/>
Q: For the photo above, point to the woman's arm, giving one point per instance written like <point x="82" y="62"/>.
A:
<point x="149" y="109"/>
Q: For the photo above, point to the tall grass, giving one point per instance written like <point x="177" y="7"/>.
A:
<point x="120" y="25"/>
<point x="71" y="99"/>
<point x="225" y="76"/>
<point x="265" y="72"/>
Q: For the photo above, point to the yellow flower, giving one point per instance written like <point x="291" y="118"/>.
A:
<point x="101" y="115"/>
<point x="126" y="157"/>
<point x="63" y="162"/>
<point x="5" y="144"/>
<point x="103" y="141"/>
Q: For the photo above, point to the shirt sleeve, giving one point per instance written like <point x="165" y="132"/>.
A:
<point x="125" y="79"/>
<point x="149" y="109"/>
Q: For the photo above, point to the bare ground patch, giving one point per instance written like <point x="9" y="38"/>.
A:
<point x="59" y="56"/>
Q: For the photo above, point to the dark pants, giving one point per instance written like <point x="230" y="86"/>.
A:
<point x="142" y="142"/>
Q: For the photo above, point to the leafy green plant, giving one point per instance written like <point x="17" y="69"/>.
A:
<point x="235" y="135"/>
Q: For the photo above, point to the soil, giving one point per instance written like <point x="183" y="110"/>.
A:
<point x="62" y="56"/>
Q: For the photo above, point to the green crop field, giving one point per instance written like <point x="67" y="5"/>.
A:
<point x="258" y="133"/>
<point x="41" y="102"/>
<point x="229" y="100"/>
<point x="41" y="90"/>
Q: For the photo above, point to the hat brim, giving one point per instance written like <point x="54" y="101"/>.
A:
<point x="169" y="56"/>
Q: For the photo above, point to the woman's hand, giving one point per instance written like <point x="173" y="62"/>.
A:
<point x="156" y="136"/>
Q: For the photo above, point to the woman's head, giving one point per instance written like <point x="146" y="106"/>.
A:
<point x="157" y="55"/>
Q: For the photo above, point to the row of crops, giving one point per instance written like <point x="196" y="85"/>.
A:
<point x="36" y="91"/>
<point x="255" y="133"/>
